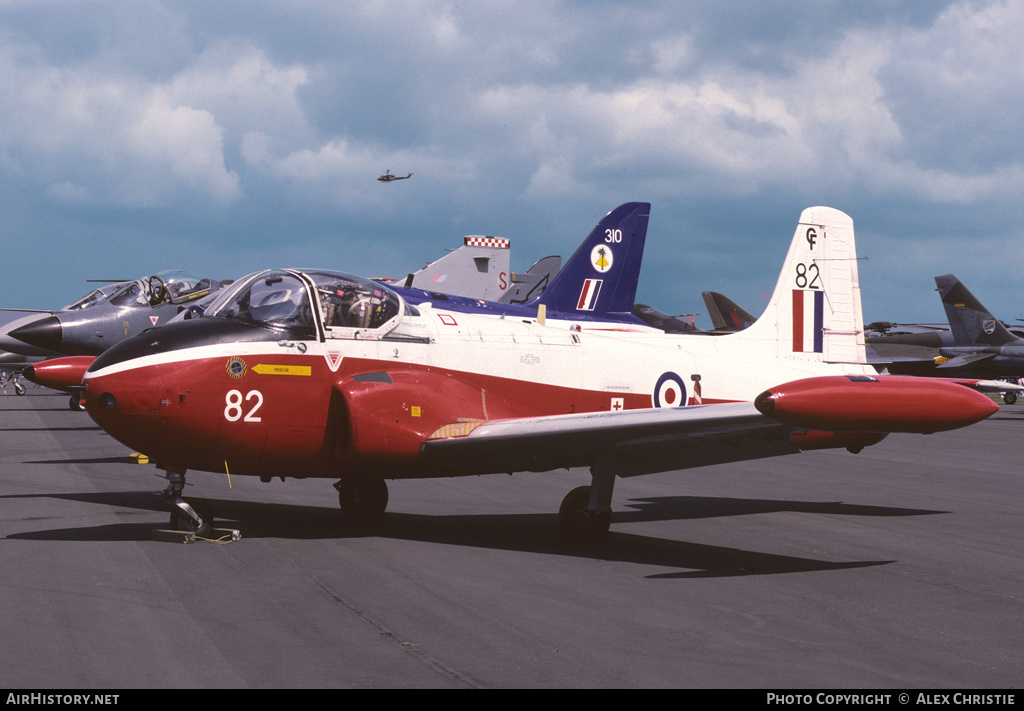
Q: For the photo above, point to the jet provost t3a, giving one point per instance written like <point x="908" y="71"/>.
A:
<point x="318" y="374"/>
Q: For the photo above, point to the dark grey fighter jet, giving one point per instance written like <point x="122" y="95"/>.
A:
<point x="14" y="351"/>
<point x="976" y="345"/>
<point x="982" y="344"/>
<point x="130" y="309"/>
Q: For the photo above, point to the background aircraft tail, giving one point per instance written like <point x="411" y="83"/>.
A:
<point x="815" y="311"/>
<point x="479" y="269"/>
<point x="533" y="282"/>
<point x="601" y="276"/>
<point x="969" y="321"/>
<point x="725" y="315"/>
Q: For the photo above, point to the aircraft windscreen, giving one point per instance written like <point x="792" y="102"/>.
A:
<point x="96" y="296"/>
<point x="222" y="297"/>
<point x="180" y="286"/>
<point x="280" y="299"/>
<point x="274" y="298"/>
<point x="131" y="294"/>
<point x="93" y="297"/>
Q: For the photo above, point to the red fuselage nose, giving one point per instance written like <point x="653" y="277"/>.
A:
<point x="60" y="373"/>
<point x="216" y="413"/>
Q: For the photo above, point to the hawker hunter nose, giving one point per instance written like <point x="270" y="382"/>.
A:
<point x="132" y="308"/>
<point x="43" y="333"/>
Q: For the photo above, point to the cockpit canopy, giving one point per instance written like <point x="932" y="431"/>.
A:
<point x="303" y="301"/>
<point x="169" y="287"/>
<point x="180" y="287"/>
<point x="95" y="296"/>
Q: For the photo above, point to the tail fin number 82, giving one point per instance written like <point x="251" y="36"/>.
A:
<point x="807" y="276"/>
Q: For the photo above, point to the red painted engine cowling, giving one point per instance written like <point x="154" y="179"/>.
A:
<point x="60" y="373"/>
<point x="387" y="415"/>
<point x="886" y="403"/>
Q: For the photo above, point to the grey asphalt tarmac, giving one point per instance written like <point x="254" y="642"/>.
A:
<point x="898" y="568"/>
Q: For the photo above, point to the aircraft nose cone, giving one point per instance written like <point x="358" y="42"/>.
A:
<point x="59" y="373"/>
<point x="44" y="333"/>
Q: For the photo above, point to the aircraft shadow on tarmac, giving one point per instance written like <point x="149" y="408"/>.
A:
<point x="95" y="460"/>
<point x="38" y="409"/>
<point x="1012" y="415"/>
<point x="83" y="428"/>
<point x="530" y="533"/>
<point x="690" y="507"/>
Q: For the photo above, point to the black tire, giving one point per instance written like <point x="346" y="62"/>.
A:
<point x="180" y="521"/>
<point x="577" y="523"/>
<point x="76" y="404"/>
<point x="1009" y="397"/>
<point x="363" y="498"/>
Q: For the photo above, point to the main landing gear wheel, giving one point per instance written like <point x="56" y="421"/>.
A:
<point x="76" y="404"/>
<point x="578" y="522"/>
<point x="19" y="388"/>
<point x="362" y="499"/>
<point x="1009" y="397"/>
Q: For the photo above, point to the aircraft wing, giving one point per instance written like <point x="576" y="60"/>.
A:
<point x="639" y="441"/>
<point x="990" y="386"/>
<point x="967" y="359"/>
<point x="810" y="413"/>
<point x="8" y="315"/>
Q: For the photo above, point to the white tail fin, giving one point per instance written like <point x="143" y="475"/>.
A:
<point x="815" y="312"/>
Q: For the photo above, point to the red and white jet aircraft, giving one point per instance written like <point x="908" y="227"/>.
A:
<point x="319" y="374"/>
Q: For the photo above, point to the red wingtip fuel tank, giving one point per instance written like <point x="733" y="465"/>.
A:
<point x="60" y="373"/>
<point x="886" y="403"/>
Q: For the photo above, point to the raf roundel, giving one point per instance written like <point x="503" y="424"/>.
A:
<point x="670" y="391"/>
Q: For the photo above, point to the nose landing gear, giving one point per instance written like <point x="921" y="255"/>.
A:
<point x="185" y="517"/>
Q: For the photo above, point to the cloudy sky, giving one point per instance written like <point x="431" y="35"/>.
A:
<point x="225" y="137"/>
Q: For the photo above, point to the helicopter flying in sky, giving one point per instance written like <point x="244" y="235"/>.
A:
<point x="388" y="177"/>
